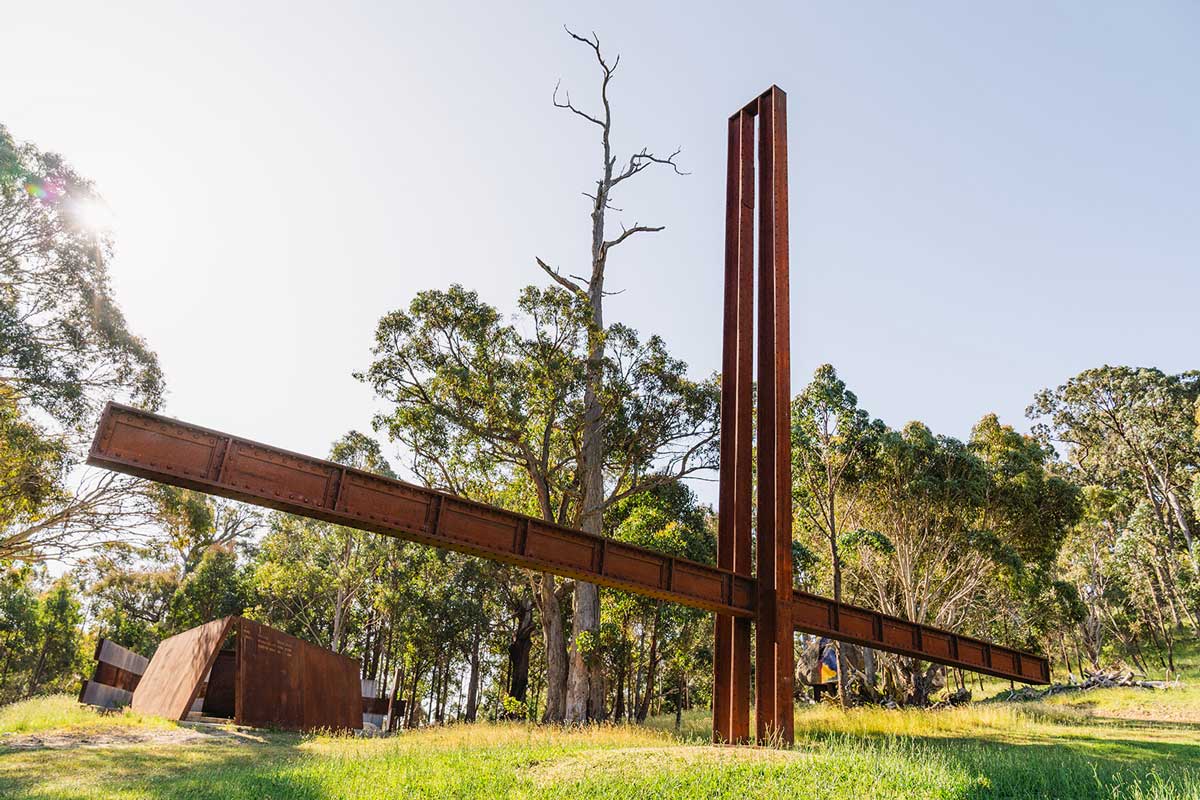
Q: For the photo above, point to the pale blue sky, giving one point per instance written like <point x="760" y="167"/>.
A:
<point x="986" y="197"/>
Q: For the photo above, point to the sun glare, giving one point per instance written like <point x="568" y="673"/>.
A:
<point x="92" y="214"/>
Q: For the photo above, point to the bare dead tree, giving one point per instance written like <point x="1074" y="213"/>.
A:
<point x="583" y="697"/>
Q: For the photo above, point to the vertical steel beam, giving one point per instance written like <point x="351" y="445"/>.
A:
<point x="774" y="673"/>
<point x="773" y="613"/>
<point x="731" y="660"/>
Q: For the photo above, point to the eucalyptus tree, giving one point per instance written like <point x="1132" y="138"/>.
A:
<point x="1085" y="561"/>
<point x="64" y="349"/>
<point x="942" y="524"/>
<point x="1131" y="428"/>
<point x="483" y="402"/>
<point x="832" y="447"/>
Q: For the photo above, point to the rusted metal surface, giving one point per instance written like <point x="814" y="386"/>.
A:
<point x="118" y="671"/>
<point x="285" y="682"/>
<point x="819" y="615"/>
<point x="169" y="451"/>
<point x="780" y="610"/>
<point x="180" y="665"/>
<point x="775" y="667"/>
<point x="268" y="679"/>
<point x="731" y="648"/>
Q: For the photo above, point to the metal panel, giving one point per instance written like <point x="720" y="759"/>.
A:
<point x="284" y="682"/>
<point x="104" y="696"/>
<point x="144" y="444"/>
<point x="172" y="680"/>
<point x="331" y="690"/>
<point x="109" y="652"/>
<point x="126" y="436"/>
<point x="117" y="673"/>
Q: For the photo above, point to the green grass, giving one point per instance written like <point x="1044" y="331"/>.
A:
<point x="981" y="751"/>
<point x="63" y="713"/>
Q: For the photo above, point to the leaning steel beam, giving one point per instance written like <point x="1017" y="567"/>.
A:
<point x="166" y="450"/>
<point x="819" y="615"/>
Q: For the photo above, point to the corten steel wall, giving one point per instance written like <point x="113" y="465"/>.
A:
<point x="161" y="449"/>
<point x="171" y="683"/>
<point x="731" y="645"/>
<point x="773" y="640"/>
<point x="275" y="680"/>
<point x="284" y="682"/>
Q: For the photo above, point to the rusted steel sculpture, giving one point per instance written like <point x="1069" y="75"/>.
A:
<point x="267" y="679"/>
<point x="118" y="671"/>
<point x="773" y="599"/>
<point x="169" y="451"/>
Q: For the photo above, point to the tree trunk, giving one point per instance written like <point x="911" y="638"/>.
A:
<point x="651" y="667"/>
<point x="550" y="612"/>
<point x="340" y="603"/>
<point x="392" y="696"/>
<point x="35" y="677"/>
<point x="445" y="692"/>
<point x="585" y="623"/>
<point x="473" y="680"/>
<point x="518" y="652"/>
<point x="4" y="672"/>
<point x="585" y="619"/>
<point x="619" y="700"/>
<point x="679" y="691"/>
<point x="433" y="688"/>
<point x="837" y="598"/>
<point x="414" y="708"/>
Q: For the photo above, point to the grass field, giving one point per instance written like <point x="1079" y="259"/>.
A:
<point x="51" y="748"/>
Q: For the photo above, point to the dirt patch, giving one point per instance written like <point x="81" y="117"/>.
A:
<point x="118" y="737"/>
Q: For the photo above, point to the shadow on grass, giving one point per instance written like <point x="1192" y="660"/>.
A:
<point x="220" y="768"/>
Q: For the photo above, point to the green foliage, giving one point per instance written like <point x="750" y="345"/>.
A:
<point x="216" y="588"/>
<point x="31" y="468"/>
<point x="804" y="563"/>
<point x="130" y="602"/>
<point x="57" y="656"/>
<point x="63" y="342"/>
<point x="515" y="709"/>
<point x="64" y="349"/>
<point x="861" y="537"/>
<point x="478" y="400"/>
<point x="1034" y="507"/>
<point x="20" y="630"/>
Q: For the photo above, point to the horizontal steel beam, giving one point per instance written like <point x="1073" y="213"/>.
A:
<point x="168" y="451"/>
<point x="821" y="616"/>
